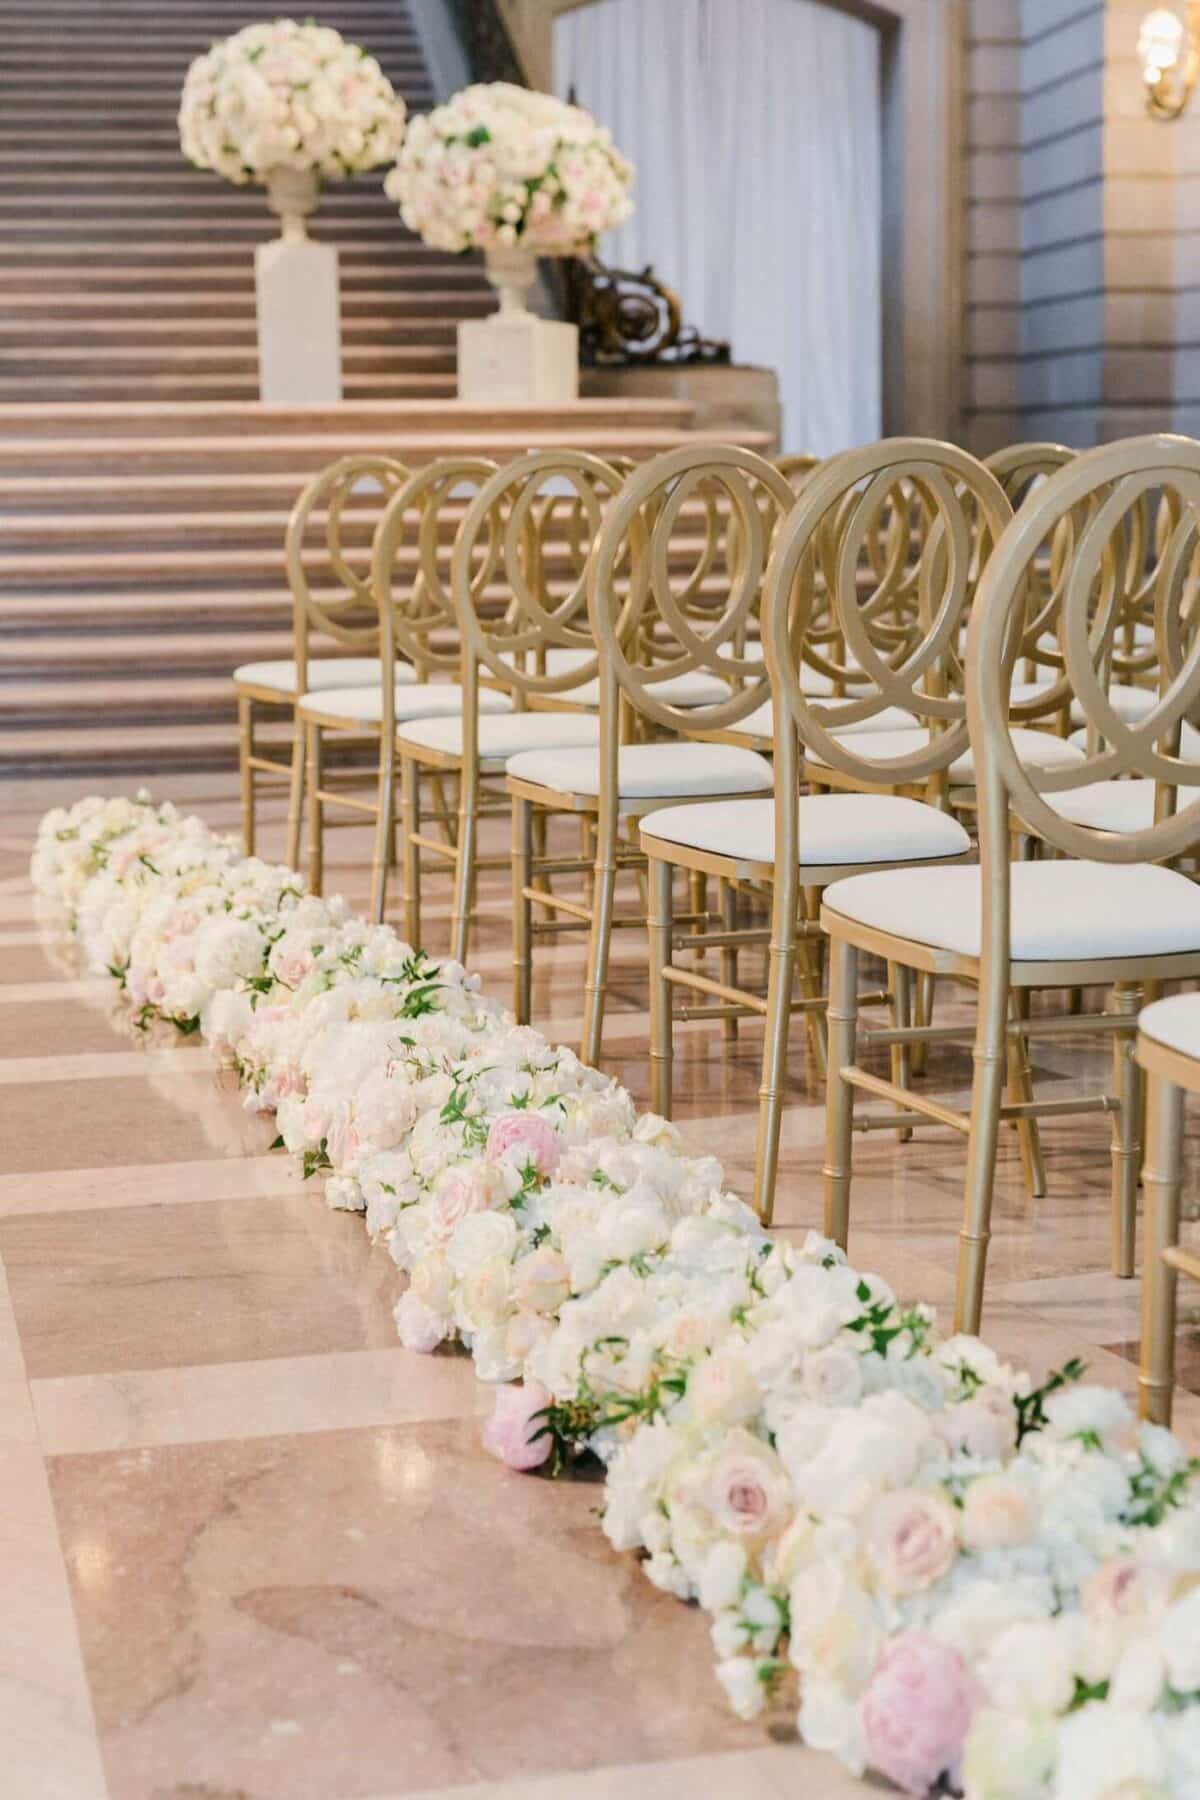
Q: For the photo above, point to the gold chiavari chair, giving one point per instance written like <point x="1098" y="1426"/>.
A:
<point x="415" y="619"/>
<point x="827" y="568"/>
<point x="528" y="533"/>
<point x="673" y="586"/>
<point x="1106" y="912"/>
<point x="331" y="600"/>
<point x="1168" y="1051"/>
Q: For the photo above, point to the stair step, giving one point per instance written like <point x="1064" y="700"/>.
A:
<point x="149" y="750"/>
<point x="237" y="610"/>
<point x="141" y="420"/>
<point x="376" y="309"/>
<point x="200" y="653"/>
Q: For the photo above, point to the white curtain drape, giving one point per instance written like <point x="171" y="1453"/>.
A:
<point x="755" y="128"/>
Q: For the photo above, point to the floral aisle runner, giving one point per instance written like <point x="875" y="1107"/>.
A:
<point x="964" y="1582"/>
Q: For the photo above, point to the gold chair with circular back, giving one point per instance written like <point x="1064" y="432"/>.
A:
<point x="1104" y="912"/>
<point x="326" y="550"/>
<point x="415" y="620"/>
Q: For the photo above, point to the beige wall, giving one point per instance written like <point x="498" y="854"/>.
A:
<point x="1082" y="253"/>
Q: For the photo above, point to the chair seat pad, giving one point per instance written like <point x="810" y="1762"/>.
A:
<point x="1129" y="703"/>
<point x="1174" y="1022"/>
<point x="1038" y="749"/>
<point x="890" y="718"/>
<point x="649" y="771"/>
<point x="1061" y="911"/>
<point x="834" y="829"/>
<point x="559" y="659"/>
<point x="504" y="735"/>
<point x="696" y="688"/>
<point x="364" y="706"/>
<point x="327" y="672"/>
<point x="1107" y="805"/>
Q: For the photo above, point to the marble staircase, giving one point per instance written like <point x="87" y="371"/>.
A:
<point x="143" y="489"/>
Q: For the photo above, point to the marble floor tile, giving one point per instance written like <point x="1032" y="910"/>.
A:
<point x="778" y="1772"/>
<point x="362" y="1612"/>
<point x="157" y="1184"/>
<point x="153" y="1113"/>
<point x="218" y="1281"/>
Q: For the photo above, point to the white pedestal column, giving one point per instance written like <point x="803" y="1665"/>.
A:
<point x="517" y="359"/>
<point x="299" y="323"/>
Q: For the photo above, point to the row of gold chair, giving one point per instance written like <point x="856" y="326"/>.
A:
<point x="773" y="679"/>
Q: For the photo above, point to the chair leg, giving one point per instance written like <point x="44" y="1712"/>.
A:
<point x="316" y="812"/>
<point x="839" y="1095"/>
<point x="295" y="816"/>
<point x="522" y="860"/>
<point x="781" y="964"/>
<point x="662" y="1047"/>
<point x="900" y="987"/>
<point x="1126" y="1149"/>
<point x="1020" y="1089"/>
<point x="600" y="939"/>
<point x="245" y="720"/>
<point x="464" y="863"/>
<point x="810" y="973"/>
<point x="410" y="826"/>
<point x="385" y="802"/>
<point x="987" y="1096"/>
<point x="1161" y="1179"/>
<point x="729" y="955"/>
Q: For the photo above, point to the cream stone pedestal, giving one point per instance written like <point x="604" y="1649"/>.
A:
<point x="517" y="359"/>
<point x="299" y="323"/>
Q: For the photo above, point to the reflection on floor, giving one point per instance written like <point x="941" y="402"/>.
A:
<point x="250" y="1549"/>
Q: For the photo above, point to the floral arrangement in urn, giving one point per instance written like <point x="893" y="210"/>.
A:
<point x="286" y="104"/>
<point x="514" y="173"/>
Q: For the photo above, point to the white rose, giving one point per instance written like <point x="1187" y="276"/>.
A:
<point x="833" y="1377"/>
<point x="997" y="1514"/>
<point x="484" y="1295"/>
<point x="480" y="1238"/>
<point x="1088" y="1412"/>
<point x="1008" y="1756"/>
<point x="723" y="1391"/>
<point x="1107" y="1754"/>
<point x="1031" y="1668"/>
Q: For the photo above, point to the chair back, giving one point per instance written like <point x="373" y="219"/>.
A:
<point x="674" y="589"/>
<point x="1105" y="496"/>
<point x="328" y="555"/>
<point x="879" y="554"/>
<point x="410" y="570"/>
<point x="530" y="529"/>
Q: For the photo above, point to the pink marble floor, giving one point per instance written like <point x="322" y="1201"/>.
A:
<point x="250" y="1548"/>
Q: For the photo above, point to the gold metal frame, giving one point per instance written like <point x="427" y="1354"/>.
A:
<point x="347" y="617"/>
<point x="1170" y="1073"/>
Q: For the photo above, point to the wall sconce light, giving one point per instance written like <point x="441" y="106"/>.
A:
<point x="1169" y="52"/>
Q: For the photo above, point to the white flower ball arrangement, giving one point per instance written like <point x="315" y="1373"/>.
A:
<point x="500" y="167"/>
<point x="290" y="96"/>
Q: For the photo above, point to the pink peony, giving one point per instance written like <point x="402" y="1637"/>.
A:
<point x="916" y="1711"/>
<point x="511" y="1432"/>
<point x="524" y="1137"/>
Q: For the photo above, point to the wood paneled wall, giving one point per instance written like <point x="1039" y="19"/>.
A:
<point x="1082" y="285"/>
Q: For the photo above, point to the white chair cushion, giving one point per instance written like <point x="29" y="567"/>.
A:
<point x="1061" y="911"/>
<point x="560" y="659"/>
<point x="834" y="828"/>
<point x="1039" y="749"/>
<point x="1107" y="805"/>
<point x="364" y="706"/>
<point x="1189" y="741"/>
<point x="506" y="735"/>
<point x="696" y="688"/>
<point x="890" y="718"/>
<point x="330" y="672"/>
<point x="649" y="771"/>
<point x="1129" y="703"/>
<point x="1174" y="1022"/>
